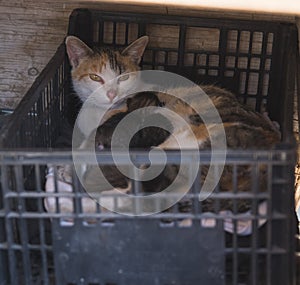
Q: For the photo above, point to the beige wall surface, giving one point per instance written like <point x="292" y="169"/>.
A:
<point x="31" y="31"/>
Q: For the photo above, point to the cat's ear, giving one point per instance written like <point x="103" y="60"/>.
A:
<point x="76" y="50"/>
<point x="136" y="49"/>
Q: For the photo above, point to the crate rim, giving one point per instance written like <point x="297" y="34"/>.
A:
<point x="146" y="16"/>
<point x="286" y="154"/>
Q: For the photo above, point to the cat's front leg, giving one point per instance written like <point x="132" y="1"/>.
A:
<point x="59" y="186"/>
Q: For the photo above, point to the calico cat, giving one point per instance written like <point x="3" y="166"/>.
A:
<point x="93" y="68"/>
<point x="244" y="128"/>
<point x="102" y="77"/>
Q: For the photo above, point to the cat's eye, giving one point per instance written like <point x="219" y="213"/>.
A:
<point x="123" y="77"/>
<point x="96" y="77"/>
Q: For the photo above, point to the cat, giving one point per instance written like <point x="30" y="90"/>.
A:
<point x="102" y="77"/>
<point x="144" y="137"/>
<point x="93" y="68"/>
<point x="105" y="73"/>
<point x="244" y="128"/>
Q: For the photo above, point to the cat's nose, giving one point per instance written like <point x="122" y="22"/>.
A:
<point x="111" y="94"/>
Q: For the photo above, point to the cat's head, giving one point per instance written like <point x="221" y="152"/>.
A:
<point x="103" y="67"/>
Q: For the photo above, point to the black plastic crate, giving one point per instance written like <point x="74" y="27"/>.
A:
<point x="254" y="59"/>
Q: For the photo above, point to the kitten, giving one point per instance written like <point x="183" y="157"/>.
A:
<point x="144" y="138"/>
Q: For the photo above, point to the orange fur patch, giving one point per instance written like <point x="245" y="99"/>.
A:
<point x="96" y="63"/>
<point x="93" y="64"/>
